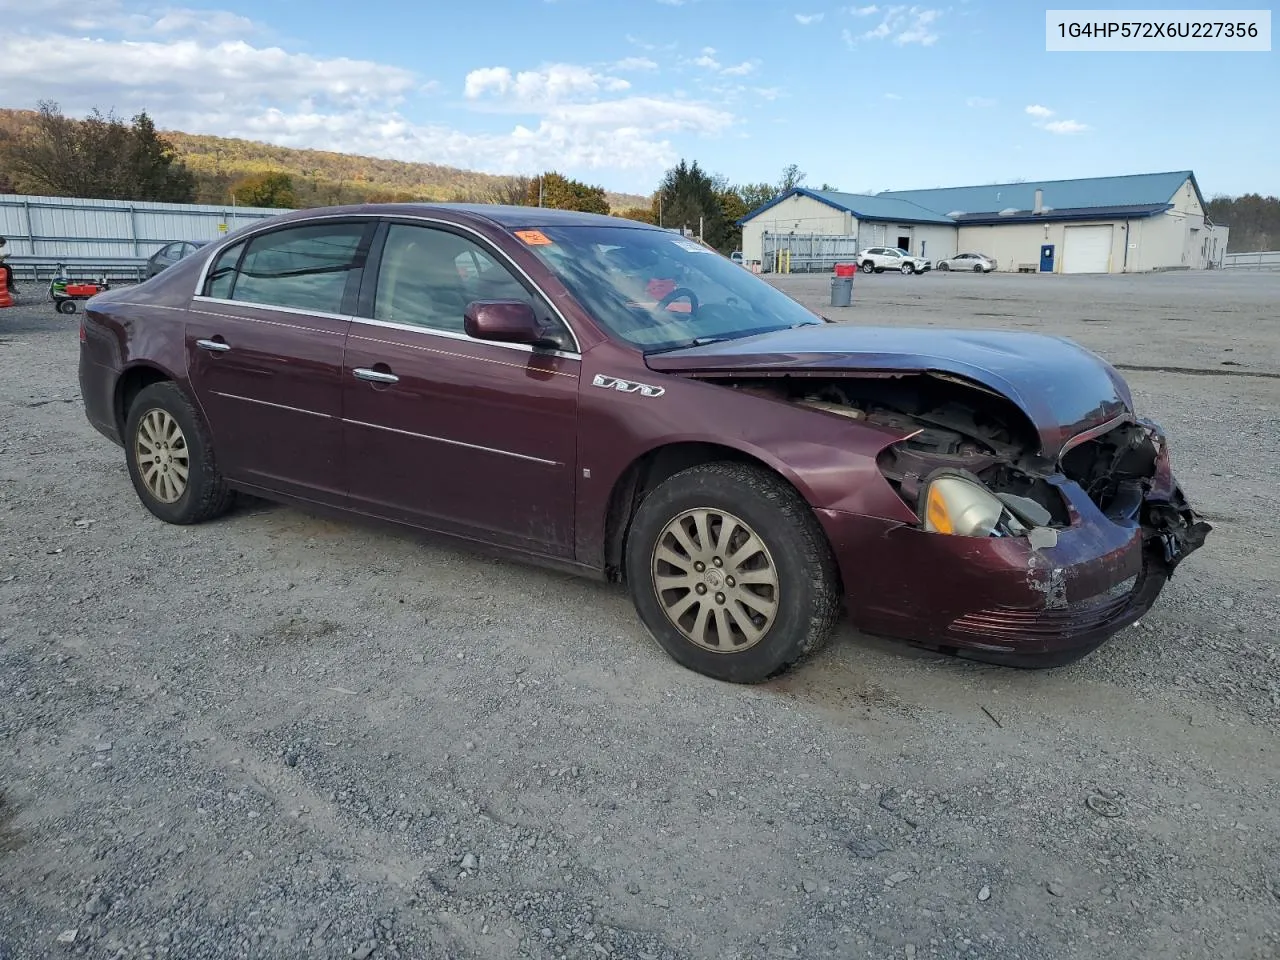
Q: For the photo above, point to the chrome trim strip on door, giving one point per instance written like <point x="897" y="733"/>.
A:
<point x="464" y="338"/>
<point x="303" y="221"/>
<point x="454" y="443"/>
<point x="268" y="306"/>
<point x="277" y="406"/>
<point x="462" y="356"/>
<point x="273" y="323"/>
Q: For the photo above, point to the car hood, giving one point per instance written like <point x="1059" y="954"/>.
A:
<point x="1062" y="388"/>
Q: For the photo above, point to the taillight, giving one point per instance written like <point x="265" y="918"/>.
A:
<point x="82" y="334"/>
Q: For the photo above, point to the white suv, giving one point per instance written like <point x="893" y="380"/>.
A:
<point x="881" y="259"/>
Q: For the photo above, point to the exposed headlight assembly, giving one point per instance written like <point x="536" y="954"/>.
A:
<point x="961" y="507"/>
<point x="959" y="504"/>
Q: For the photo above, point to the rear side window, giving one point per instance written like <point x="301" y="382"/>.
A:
<point x="222" y="275"/>
<point x="306" y="267"/>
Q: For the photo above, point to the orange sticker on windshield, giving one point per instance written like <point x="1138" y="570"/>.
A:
<point x="534" y="238"/>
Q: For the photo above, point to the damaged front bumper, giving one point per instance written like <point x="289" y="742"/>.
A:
<point x="1002" y="600"/>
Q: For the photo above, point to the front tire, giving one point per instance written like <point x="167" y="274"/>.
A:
<point x="730" y="572"/>
<point x="908" y="269"/>
<point x="944" y="266"/>
<point x="978" y="269"/>
<point x="67" y="306"/>
<point x="170" y="457"/>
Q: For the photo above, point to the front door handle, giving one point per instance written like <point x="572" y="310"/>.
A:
<point x="217" y="346"/>
<point x="375" y="376"/>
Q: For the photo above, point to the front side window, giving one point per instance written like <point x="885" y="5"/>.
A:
<point x="658" y="290"/>
<point x="222" y="274"/>
<point x="428" y="276"/>
<point x="304" y="267"/>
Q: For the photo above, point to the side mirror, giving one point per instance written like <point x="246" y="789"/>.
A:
<point x="506" y="321"/>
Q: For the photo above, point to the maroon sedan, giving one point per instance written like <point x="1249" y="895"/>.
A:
<point x="616" y="400"/>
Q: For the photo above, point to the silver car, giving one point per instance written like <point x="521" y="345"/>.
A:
<point x="973" y="262"/>
<point x="170" y="254"/>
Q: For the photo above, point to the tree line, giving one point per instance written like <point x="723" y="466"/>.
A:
<point x="104" y="156"/>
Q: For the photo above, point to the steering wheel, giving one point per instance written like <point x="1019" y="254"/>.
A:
<point x="676" y="294"/>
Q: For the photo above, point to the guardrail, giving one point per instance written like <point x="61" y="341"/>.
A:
<point x="1265" y="260"/>
<point x="39" y="269"/>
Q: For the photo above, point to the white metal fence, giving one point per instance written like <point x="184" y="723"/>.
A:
<point x="1268" y="260"/>
<point x="805" y="252"/>
<point x="69" y="227"/>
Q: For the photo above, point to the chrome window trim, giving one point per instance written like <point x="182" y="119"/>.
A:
<point x="454" y="443"/>
<point x="222" y="301"/>
<point x="390" y="217"/>
<point x="464" y="338"/>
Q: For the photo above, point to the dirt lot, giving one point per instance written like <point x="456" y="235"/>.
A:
<point x="281" y="736"/>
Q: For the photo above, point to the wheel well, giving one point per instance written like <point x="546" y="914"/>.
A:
<point x="131" y="383"/>
<point x="645" y="473"/>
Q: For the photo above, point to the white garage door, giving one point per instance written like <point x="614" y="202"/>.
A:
<point x="1088" y="250"/>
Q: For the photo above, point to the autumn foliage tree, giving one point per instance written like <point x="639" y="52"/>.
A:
<point x="100" y="156"/>
<point x="555" y="190"/>
<point x="273" y="189"/>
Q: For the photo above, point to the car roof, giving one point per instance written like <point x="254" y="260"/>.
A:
<point x="508" y="217"/>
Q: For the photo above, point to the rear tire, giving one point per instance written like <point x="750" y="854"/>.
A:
<point x="67" y="306"/>
<point x="731" y="555"/>
<point x="169" y="452"/>
<point x="868" y="266"/>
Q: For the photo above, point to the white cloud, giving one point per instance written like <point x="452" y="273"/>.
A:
<point x="1062" y="127"/>
<point x="742" y="69"/>
<point x="1066" y="127"/>
<point x="905" y="25"/>
<point x="635" y="63"/>
<point x="214" y="23"/>
<point x="206" y="73"/>
<point x="979" y="102"/>
<point x="551" y="84"/>
<point x="805" y="19"/>
<point x="187" y="70"/>
<point x="707" y="62"/>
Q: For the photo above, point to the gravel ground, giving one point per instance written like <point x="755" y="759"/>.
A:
<point x="283" y="736"/>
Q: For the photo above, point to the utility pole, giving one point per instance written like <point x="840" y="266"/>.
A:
<point x="539" y="189"/>
<point x="700" y="228"/>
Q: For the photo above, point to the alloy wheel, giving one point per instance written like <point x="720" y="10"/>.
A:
<point x="715" y="580"/>
<point x="164" y="459"/>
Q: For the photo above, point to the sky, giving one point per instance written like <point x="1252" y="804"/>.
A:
<point x="864" y="97"/>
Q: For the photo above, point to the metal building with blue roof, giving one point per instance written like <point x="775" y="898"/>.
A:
<point x="1124" y="224"/>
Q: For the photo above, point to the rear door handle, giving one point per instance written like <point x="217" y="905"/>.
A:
<point x="375" y="376"/>
<point x="217" y="346"/>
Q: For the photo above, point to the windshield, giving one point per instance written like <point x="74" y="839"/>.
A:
<point x="658" y="290"/>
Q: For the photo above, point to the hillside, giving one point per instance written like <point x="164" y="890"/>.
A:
<point x="323" y="177"/>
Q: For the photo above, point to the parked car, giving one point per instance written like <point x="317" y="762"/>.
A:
<point x="881" y="259"/>
<point x="170" y="254"/>
<point x="745" y="466"/>
<point x="736" y="257"/>
<point x="973" y="262"/>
